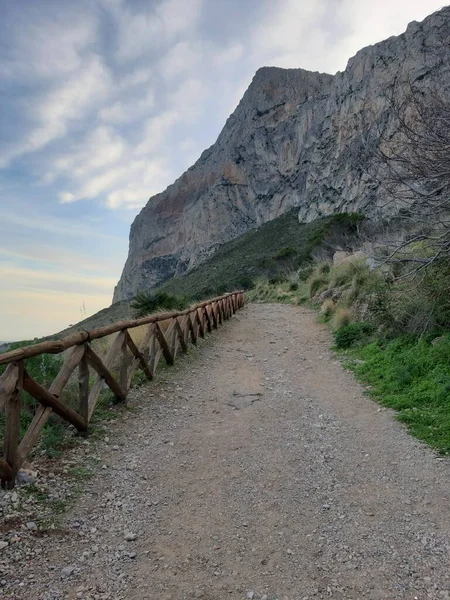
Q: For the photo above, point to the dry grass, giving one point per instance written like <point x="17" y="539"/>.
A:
<point x="327" y="308"/>
<point x="342" y="316"/>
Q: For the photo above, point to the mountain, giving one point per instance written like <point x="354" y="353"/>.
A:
<point x="290" y="143"/>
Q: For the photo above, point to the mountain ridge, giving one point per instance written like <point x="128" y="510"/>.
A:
<point x="289" y="143"/>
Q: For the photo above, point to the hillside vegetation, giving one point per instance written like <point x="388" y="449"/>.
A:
<point x="273" y="250"/>
<point x="391" y="328"/>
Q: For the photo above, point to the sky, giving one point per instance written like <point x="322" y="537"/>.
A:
<point x="103" y="103"/>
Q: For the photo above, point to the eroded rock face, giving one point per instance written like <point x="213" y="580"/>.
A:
<point x="289" y="143"/>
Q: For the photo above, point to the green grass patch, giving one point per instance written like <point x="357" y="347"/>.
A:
<point x="352" y="333"/>
<point x="411" y="376"/>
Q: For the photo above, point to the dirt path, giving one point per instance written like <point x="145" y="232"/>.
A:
<point x="257" y="470"/>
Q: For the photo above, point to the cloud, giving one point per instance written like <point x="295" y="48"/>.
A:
<point x="45" y="45"/>
<point x="140" y="32"/>
<point x="128" y="110"/>
<point x="67" y="102"/>
<point x="53" y="225"/>
<point x="230" y="54"/>
<point x="289" y="35"/>
<point x="181" y="59"/>
<point x="100" y="148"/>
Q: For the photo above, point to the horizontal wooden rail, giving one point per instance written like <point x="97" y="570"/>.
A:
<point x="165" y="333"/>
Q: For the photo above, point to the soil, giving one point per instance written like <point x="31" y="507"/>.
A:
<point x="255" y="468"/>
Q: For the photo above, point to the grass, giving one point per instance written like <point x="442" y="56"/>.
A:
<point x="411" y="376"/>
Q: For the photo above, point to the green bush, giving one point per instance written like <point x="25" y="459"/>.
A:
<point x="317" y="283"/>
<point x="352" y="333"/>
<point x="285" y="252"/>
<point x="147" y="303"/>
<point x="278" y="279"/>
<point x="293" y="286"/>
<point x="305" y="272"/>
<point x="245" y="282"/>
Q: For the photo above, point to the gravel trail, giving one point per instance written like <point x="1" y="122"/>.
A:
<point x="256" y="468"/>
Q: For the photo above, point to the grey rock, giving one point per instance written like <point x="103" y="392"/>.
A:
<point x="31" y="526"/>
<point x="289" y="144"/>
<point x="3" y="545"/>
<point x="25" y="478"/>
<point x="130" y="537"/>
<point x="67" y="571"/>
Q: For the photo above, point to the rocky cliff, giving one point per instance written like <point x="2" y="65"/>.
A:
<point x="289" y="143"/>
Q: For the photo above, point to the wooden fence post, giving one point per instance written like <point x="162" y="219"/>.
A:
<point x="83" y="385"/>
<point x="12" y="431"/>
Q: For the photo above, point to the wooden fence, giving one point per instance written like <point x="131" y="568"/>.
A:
<point x="166" y="332"/>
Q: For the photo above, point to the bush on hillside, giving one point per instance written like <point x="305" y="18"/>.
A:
<point x="285" y="252"/>
<point x="327" y="308"/>
<point x="352" y="333"/>
<point x="317" y="283"/>
<point x="146" y="303"/>
<point x="305" y="272"/>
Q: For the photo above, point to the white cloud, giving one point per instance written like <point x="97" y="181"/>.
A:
<point x="141" y="32"/>
<point x="100" y="148"/>
<point x="230" y="54"/>
<point x="145" y="180"/>
<point x="134" y="78"/>
<point x="46" y="46"/>
<point x="181" y="59"/>
<point x="67" y="102"/>
<point x="372" y="22"/>
<point x="188" y="99"/>
<point x="126" y="111"/>
<point x="290" y="35"/>
<point x="53" y="225"/>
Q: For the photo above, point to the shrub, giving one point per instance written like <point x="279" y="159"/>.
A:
<point x="278" y="278"/>
<point x="244" y="282"/>
<point x="293" y="286"/>
<point x="146" y="303"/>
<point x="305" y="272"/>
<point x="343" y="274"/>
<point x="322" y="268"/>
<point x="350" y="334"/>
<point x="317" y="283"/>
<point x="285" y="253"/>
<point x="327" y="308"/>
<point x="341" y="317"/>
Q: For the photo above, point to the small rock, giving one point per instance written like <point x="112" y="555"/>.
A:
<point x="250" y="595"/>
<point x="67" y="571"/>
<point x="31" y="526"/>
<point x="3" y="545"/>
<point x="130" y="537"/>
<point x="25" y="478"/>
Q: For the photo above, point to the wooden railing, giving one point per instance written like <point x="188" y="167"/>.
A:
<point x="164" y="334"/>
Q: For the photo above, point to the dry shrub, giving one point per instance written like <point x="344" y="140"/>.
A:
<point x="342" y="316"/>
<point x="317" y="284"/>
<point x="327" y="307"/>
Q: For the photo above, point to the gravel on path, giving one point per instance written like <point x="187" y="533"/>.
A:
<point x="256" y="468"/>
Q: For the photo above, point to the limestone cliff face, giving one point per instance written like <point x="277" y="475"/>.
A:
<point x="289" y="143"/>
